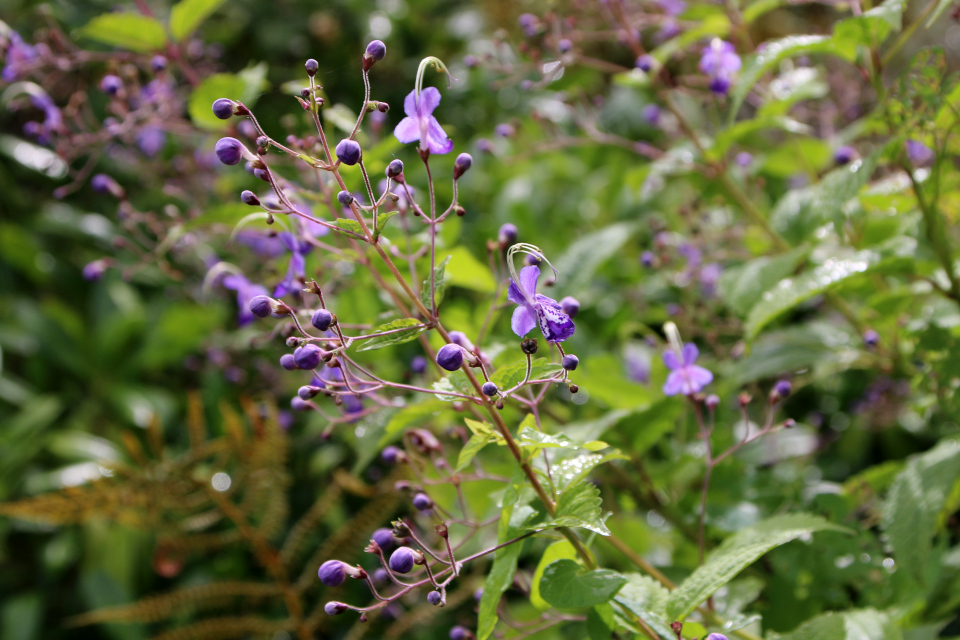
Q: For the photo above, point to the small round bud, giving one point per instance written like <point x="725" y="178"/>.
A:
<point x="402" y="560"/>
<point x="111" y="84"/>
<point x="348" y="151"/>
<point x="345" y="198"/>
<point x="105" y="185"/>
<point x="311" y="66"/>
<point x="570" y="306"/>
<point x="844" y="154"/>
<point x="461" y="165"/>
<point x="645" y="63"/>
<point x="288" y="363"/>
<point x="529" y="346"/>
<point x="93" y="271"/>
<point x="505" y="130"/>
<point x="384" y="538"/>
<point x="564" y="46"/>
<point x="489" y="388"/>
<point x="434" y="598"/>
<point x="744" y="399"/>
<point x="712" y="401"/>
<point x="261" y="306"/>
<point x="298" y="404"/>
<point x="293" y="342"/>
<point x="321" y="319"/>
<point x="334" y="608"/>
<point x="250" y="198"/>
<point x="647" y="259"/>
<point x="307" y="356"/>
<point x="789" y="423"/>
<point x="332" y="573"/>
<point x="418" y="364"/>
<point x="383" y="107"/>
<point x="450" y="357"/>
<point x="507" y="235"/>
<point x="395" y="168"/>
<point x="422" y="502"/>
<point x="392" y="455"/>
<point x="570" y="362"/>
<point x="305" y="93"/>
<point x="307" y="392"/>
<point x="871" y="338"/>
<point x="158" y="63"/>
<point x="574" y="388"/>
<point x="780" y="390"/>
<point x="223" y="108"/>
<point x="229" y="150"/>
<point x="375" y="51"/>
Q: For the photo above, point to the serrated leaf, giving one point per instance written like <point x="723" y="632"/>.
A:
<point x="471" y="449"/>
<point x="128" y="30"/>
<point x="187" y="15"/>
<point x="411" y="416"/>
<point x="566" y="586"/>
<point x="530" y="437"/>
<point x="742" y="286"/>
<point x="647" y="599"/>
<point x="456" y="382"/>
<point x="439" y="275"/>
<point x="828" y="275"/>
<point x="736" y="553"/>
<point x="348" y="225"/>
<point x="384" y="217"/>
<point x="562" y="550"/>
<point x="578" y="264"/>
<point x="407" y="329"/>
<point x="578" y="506"/>
<point x="571" y="471"/>
<point x="914" y="503"/>
<point x="509" y="376"/>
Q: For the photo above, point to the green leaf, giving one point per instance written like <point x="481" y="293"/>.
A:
<point x="244" y="86"/>
<point x="873" y="27"/>
<point x="127" y="30"/>
<point x="456" y="382"/>
<point x="349" y="225"/>
<point x="509" y="376"/>
<point x="341" y="117"/>
<point x="187" y="15"/>
<point x="733" y="134"/>
<point x="439" y="284"/>
<point x="578" y="506"/>
<point x="564" y="585"/>
<point x="466" y="271"/>
<point x="571" y="471"/>
<point x="413" y="328"/>
<point x="601" y="622"/>
<point x="384" y="217"/>
<point x="759" y="8"/>
<point x="911" y="511"/>
<point x="717" y="25"/>
<point x="177" y="332"/>
<point x="736" y="553"/>
<point x="858" y="624"/>
<point x="562" y="550"/>
<point x="411" y="416"/>
<point x="775" y="52"/>
<point x="578" y="264"/>
<point x="530" y="437"/>
<point x="828" y="275"/>
<point x="647" y="599"/>
<point x="741" y="287"/>
<point x="471" y="449"/>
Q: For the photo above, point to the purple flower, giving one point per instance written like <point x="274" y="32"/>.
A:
<point x="93" y="271"/>
<point x="709" y="277"/>
<point x="638" y="365"/>
<point x="420" y="125"/>
<point x="246" y="291"/>
<point x="297" y="267"/>
<point x="919" y="153"/>
<point x="720" y="61"/>
<point x="685" y="377"/>
<point x="17" y="55"/>
<point x="535" y="309"/>
<point x="743" y="159"/>
<point x="151" y="140"/>
<point x="672" y="7"/>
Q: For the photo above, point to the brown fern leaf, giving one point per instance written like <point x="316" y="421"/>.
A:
<point x="227" y="628"/>
<point x="196" y="425"/>
<point x="202" y="541"/>
<point x="178" y="602"/>
<point x="306" y="523"/>
<point x="418" y="616"/>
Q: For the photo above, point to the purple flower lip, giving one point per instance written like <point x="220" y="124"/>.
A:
<point x="348" y="152"/>
<point x="686" y="378"/>
<point x="420" y="124"/>
<point x="535" y="309"/>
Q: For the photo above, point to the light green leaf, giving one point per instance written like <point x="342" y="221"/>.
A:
<point x="736" y="553"/>
<point x="466" y="271"/>
<point x="456" y="382"/>
<point x="187" y="15"/>
<point x="562" y="550"/>
<point x="601" y="622"/>
<point x="471" y="449"/>
<point x="857" y="624"/>
<point x="244" y="86"/>
<point x="349" y="225"/>
<point x="647" y="599"/>
<point x="733" y="134"/>
<point x="412" y="326"/>
<point x="341" y="117"/>
<point x="714" y="25"/>
<point x="411" y="416"/>
<point x="440" y="284"/>
<point x="914" y="504"/>
<point x="759" y="8"/>
<point x="578" y="264"/>
<point x="127" y="30"/>
<point x="509" y="376"/>
<point x="505" y="561"/>
<point x="384" y="217"/>
<point x="571" y="471"/>
<point x="530" y="437"/>
<point x="578" y="506"/>
<point x="741" y="287"/>
<point x="828" y="275"/>
<point x="564" y="585"/>
<point x="873" y="27"/>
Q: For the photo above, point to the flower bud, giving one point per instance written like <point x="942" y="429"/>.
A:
<point x="529" y="346"/>
<point x="712" y="401"/>
<point x="871" y="338"/>
<point x="434" y="598"/>
<point x="348" y="151"/>
<point x="384" y="538"/>
<point x="230" y="150"/>
<point x="111" y="84"/>
<point x="93" y="271"/>
<point x="460" y="338"/>
<point x="395" y="168"/>
<point x="418" y="364"/>
<point x="392" y="455"/>
<point x="564" y="45"/>
<point x="570" y="362"/>
<point x="311" y="66"/>
<point x="507" y="235"/>
<point x="645" y="63"/>
<point x="460" y="633"/>
<point x="261" y="306"/>
<point x="345" y="198"/>
<point x="450" y="357"/>
<point x="780" y="390"/>
<point x="288" y="363"/>
<point x="298" y="404"/>
<point x="223" y="108"/>
<point x="844" y="154"/>
<point x="332" y="573"/>
<point x="745" y="399"/>
<point x="250" y="198"/>
<point x="647" y="259"/>
<point x="307" y="356"/>
<point x="403" y="559"/>
<point x="461" y="165"/>
<point x="489" y="388"/>
<point x="400" y="529"/>
<point x="105" y="185"/>
<point x="422" y="502"/>
<point x="321" y="319"/>
<point x="158" y="63"/>
<point x="334" y="608"/>
<point x="307" y="392"/>
<point x="375" y="51"/>
<point x="570" y="306"/>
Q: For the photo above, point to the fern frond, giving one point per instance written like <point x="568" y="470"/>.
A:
<point x="228" y="628"/>
<point x="310" y="519"/>
<point x="418" y="616"/>
<point x="196" y="425"/>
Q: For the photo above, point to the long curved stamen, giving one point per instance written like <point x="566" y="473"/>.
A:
<point x="531" y="249"/>
<point x="438" y="65"/>
<point x="673" y="337"/>
<point x="215" y="272"/>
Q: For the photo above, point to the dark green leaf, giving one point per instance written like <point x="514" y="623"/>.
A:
<point x="557" y="551"/>
<point x="127" y="30"/>
<point x="471" y="449"/>
<point x="578" y="264"/>
<point x="601" y="622"/>
<point x="647" y="599"/>
<point x="742" y="286"/>
<point x="411" y="329"/>
<point x="187" y="15"/>
<point x="578" y="506"/>
<point x="565" y="586"/>
<point x="349" y="225"/>
<point x="456" y="382"/>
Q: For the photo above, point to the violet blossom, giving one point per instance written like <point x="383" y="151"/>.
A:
<point x="297" y="267"/>
<point x="721" y="62"/>
<point x="246" y="291"/>
<point x="16" y="56"/>
<point x="535" y="308"/>
<point x="420" y="124"/>
<point x="686" y="378"/>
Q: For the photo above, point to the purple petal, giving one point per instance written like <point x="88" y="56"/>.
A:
<point x="514" y="295"/>
<point x="554" y="323"/>
<point x="697" y="378"/>
<point x="234" y="282"/>
<point x="437" y="140"/>
<point x="674" y="384"/>
<point x="523" y="320"/>
<point x="671" y="360"/>
<point x="407" y="131"/>
<point x="429" y="100"/>
<point x="690" y="353"/>
<point x="528" y="279"/>
<point x="410" y="104"/>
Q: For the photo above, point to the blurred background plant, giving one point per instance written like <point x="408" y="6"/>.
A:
<point x="594" y="131"/>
